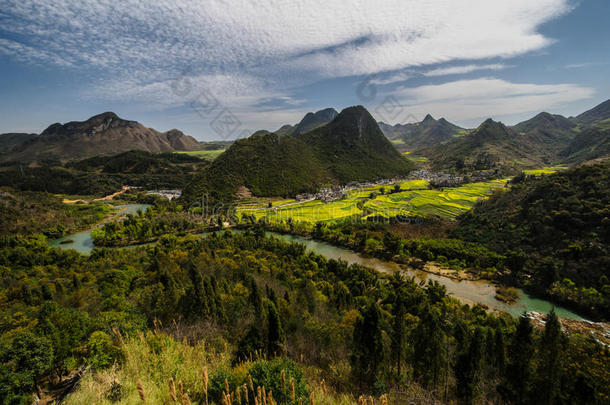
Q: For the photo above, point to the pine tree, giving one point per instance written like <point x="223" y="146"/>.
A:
<point x="549" y="373"/>
<point x="518" y="373"/>
<point x="275" y="331"/>
<point x="468" y="369"/>
<point x="428" y="347"/>
<point x="398" y="324"/>
<point x="367" y="352"/>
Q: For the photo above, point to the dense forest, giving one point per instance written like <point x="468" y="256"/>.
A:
<point x="105" y="175"/>
<point x="554" y="231"/>
<point x="349" y="148"/>
<point x="273" y="313"/>
<point x="36" y="212"/>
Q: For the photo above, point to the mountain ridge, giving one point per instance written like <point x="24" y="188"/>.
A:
<point x="349" y="148"/>
<point x="100" y="135"/>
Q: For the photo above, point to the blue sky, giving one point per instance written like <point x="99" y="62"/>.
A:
<point x="223" y="69"/>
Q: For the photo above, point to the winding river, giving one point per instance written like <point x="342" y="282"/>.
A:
<point x="470" y="292"/>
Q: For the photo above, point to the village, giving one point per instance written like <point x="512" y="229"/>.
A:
<point x="338" y="192"/>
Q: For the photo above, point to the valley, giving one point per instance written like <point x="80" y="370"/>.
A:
<point x="276" y="249"/>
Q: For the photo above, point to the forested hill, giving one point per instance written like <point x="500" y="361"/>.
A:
<point x="349" y="148"/>
<point x="555" y="228"/>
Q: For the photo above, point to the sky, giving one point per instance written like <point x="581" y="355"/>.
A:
<point x="222" y="69"/>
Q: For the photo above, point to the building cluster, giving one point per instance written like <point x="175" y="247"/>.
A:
<point x="169" y="194"/>
<point x="438" y="179"/>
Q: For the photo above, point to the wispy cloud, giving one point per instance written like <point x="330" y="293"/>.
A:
<point x="248" y="52"/>
<point x="460" y="70"/>
<point x="585" y="65"/>
<point x="487" y="97"/>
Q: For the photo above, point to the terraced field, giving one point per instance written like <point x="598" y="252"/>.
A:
<point x="447" y="203"/>
<point x="311" y="211"/>
<point x="414" y="200"/>
<point x="204" y="154"/>
<point x="545" y="170"/>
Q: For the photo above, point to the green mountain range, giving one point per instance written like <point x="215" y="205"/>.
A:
<point x="543" y="140"/>
<point x="422" y="134"/>
<point x="349" y="148"/>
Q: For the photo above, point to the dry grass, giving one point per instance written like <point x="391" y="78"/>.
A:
<point x="159" y="370"/>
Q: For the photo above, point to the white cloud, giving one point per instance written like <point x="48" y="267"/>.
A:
<point x="459" y="70"/>
<point x="486" y="97"/>
<point x="246" y="51"/>
<point x="394" y="78"/>
<point x="145" y="40"/>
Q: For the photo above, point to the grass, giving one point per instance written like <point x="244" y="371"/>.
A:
<point x="415" y="199"/>
<point x="204" y="154"/>
<point x="545" y="170"/>
<point x="165" y="371"/>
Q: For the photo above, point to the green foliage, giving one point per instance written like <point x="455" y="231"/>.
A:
<point x="101" y="350"/>
<point x="555" y="229"/>
<point x="341" y="317"/>
<point x="349" y="148"/>
<point x="367" y="354"/>
<point x="39" y="212"/>
<point x="106" y="174"/>
<point x="268" y="374"/>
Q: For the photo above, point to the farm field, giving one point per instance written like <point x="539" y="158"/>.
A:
<point x="414" y="200"/>
<point x="310" y="212"/>
<point x="545" y="170"/>
<point x="204" y="154"/>
<point x="447" y="203"/>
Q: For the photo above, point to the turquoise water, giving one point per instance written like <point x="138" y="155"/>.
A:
<point x="82" y="242"/>
<point x="471" y="292"/>
<point x="480" y="292"/>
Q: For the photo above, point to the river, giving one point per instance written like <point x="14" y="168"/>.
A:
<point x="471" y="292"/>
<point x="82" y="241"/>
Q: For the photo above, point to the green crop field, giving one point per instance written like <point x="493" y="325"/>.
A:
<point x="545" y="170"/>
<point x="204" y="154"/>
<point x="311" y="211"/>
<point x="447" y="203"/>
<point x="415" y="200"/>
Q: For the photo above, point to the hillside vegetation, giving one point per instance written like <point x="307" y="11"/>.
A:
<point x="350" y="148"/>
<point x="105" y="175"/>
<point x="252" y="307"/>
<point x="555" y="229"/>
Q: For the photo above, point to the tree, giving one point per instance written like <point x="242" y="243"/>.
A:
<point x="275" y="331"/>
<point x="391" y="243"/>
<point x="398" y="323"/>
<point x="367" y="352"/>
<point x="519" y="370"/>
<point x="428" y="348"/>
<point x="549" y="373"/>
<point x="468" y="368"/>
<point x="250" y="344"/>
<point x="30" y="356"/>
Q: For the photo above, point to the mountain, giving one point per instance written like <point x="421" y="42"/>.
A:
<point x="314" y="120"/>
<point x="491" y="146"/>
<point x="600" y="112"/>
<point x="11" y="140"/>
<point x="593" y="143"/>
<point x="349" y="148"/>
<point x="550" y="133"/>
<point x="552" y="228"/>
<point x="285" y="130"/>
<point x="103" y="134"/>
<point x="422" y="134"/>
